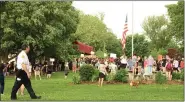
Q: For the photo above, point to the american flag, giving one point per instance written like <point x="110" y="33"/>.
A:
<point x="123" y="40"/>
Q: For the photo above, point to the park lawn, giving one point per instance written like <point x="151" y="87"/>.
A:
<point x="58" y="88"/>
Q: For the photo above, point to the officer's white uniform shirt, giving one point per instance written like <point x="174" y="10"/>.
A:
<point x="22" y="59"/>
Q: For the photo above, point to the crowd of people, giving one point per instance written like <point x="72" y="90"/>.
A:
<point x="136" y="64"/>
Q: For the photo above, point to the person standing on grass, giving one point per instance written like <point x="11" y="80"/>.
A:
<point x="140" y="61"/>
<point x="22" y="75"/>
<point x="123" y="62"/>
<point x="164" y="61"/>
<point x="146" y="70"/>
<point x="169" y="69"/>
<point x="74" y="65"/>
<point x="113" y="68"/>
<point x="66" y="69"/>
<point x="130" y="64"/>
<point x="37" y="71"/>
<point x="78" y="64"/>
<point x="102" y="73"/>
<point x="49" y="70"/>
<point x="159" y="65"/>
<point x="150" y="64"/>
<point x="7" y="69"/>
<point x="175" y="65"/>
<point x="97" y="64"/>
<point x="2" y="77"/>
<point x="182" y="64"/>
<point x="106" y="64"/>
<point x="134" y="60"/>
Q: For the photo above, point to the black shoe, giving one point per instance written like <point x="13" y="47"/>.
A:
<point x="37" y="97"/>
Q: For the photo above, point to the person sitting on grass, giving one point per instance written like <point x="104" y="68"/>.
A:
<point x="102" y="73"/>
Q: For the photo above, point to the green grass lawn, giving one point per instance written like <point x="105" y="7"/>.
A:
<point x="58" y="88"/>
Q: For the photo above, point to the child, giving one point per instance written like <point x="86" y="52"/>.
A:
<point x="169" y="70"/>
<point x="66" y="69"/>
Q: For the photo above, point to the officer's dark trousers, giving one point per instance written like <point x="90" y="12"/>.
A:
<point x="21" y="74"/>
<point x="1" y="83"/>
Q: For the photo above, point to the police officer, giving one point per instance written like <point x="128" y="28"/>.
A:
<point x="22" y="75"/>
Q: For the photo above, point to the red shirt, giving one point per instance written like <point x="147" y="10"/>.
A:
<point x="182" y="64"/>
<point x="145" y="63"/>
<point x="111" y="59"/>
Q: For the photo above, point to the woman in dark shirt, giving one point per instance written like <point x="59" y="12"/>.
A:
<point x="140" y="61"/>
<point x="159" y="65"/>
<point x="49" y="70"/>
<point x="7" y="69"/>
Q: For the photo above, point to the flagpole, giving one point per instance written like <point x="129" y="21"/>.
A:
<point x="132" y="29"/>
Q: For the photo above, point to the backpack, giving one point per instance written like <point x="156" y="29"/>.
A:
<point x="169" y="66"/>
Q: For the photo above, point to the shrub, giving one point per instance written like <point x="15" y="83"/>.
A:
<point x="176" y="76"/>
<point x="110" y="77"/>
<point x="76" y="79"/>
<point x="182" y="75"/>
<point x="160" y="78"/>
<point x="121" y="76"/>
<point x="95" y="75"/>
<point x="86" y="72"/>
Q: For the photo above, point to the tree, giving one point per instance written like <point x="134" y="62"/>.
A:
<point x="2" y="9"/>
<point x="114" y="45"/>
<point x="140" y="45"/>
<point x="43" y="25"/>
<point x="176" y="26"/>
<point x="155" y="28"/>
<point x="100" y="54"/>
<point x="92" y="31"/>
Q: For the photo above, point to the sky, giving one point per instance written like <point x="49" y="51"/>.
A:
<point x="116" y="11"/>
